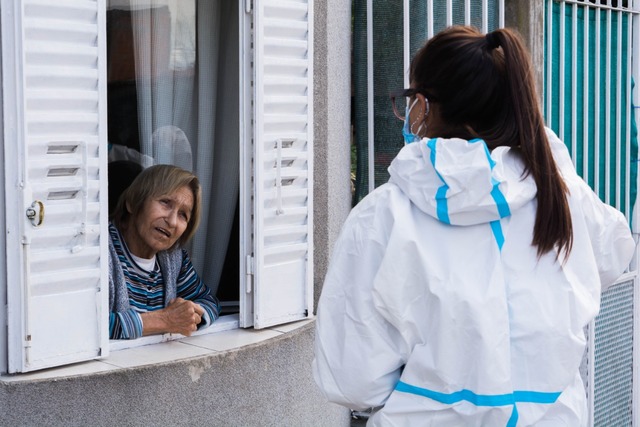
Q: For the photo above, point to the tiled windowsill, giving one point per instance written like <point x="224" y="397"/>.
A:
<point x="158" y="351"/>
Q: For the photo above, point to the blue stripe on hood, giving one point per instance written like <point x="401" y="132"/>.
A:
<point x="459" y="182"/>
<point x="442" y="208"/>
<point x="441" y="195"/>
<point x="498" y="197"/>
<point x="501" y="201"/>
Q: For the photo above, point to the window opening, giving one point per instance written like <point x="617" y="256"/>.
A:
<point x="172" y="72"/>
<point x="172" y="88"/>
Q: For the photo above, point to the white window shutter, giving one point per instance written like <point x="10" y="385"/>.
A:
<point x="283" y="161"/>
<point x="54" y="94"/>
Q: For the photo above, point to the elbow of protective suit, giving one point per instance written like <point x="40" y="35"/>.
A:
<point x="347" y="386"/>
<point x="614" y="263"/>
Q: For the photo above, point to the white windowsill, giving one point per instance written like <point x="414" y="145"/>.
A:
<point x="165" y="349"/>
<point x="224" y="323"/>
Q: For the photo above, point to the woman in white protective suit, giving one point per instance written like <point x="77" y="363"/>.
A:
<point x="458" y="292"/>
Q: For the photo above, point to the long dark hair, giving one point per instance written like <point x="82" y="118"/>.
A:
<point x="484" y="87"/>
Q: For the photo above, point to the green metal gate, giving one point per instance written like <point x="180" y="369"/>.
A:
<point x="590" y="49"/>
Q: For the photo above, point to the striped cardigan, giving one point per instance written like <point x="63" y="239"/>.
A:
<point x="133" y="290"/>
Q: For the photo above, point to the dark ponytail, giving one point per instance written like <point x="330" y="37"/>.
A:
<point x="485" y="88"/>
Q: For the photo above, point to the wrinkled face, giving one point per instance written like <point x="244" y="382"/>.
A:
<point x="160" y="223"/>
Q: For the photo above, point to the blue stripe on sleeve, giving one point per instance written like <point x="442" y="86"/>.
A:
<point x="125" y="325"/>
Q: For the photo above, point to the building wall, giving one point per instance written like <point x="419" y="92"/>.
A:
<point x="527" y="16"/>
<point x="332" y="117"/>
<point x="269" y="384"/>
<point x="259" y="385"/>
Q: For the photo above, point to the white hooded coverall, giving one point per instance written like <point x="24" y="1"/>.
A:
<point x="437" y="308"/>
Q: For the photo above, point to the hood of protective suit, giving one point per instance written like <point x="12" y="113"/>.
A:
<point x="460" y="182"/>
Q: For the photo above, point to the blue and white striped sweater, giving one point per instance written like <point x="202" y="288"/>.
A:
<point x="134" y="290"/>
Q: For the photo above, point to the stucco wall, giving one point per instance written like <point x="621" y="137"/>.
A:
<point x="527" y="16"/>
<point x="267" y="384"/>
<point x="332" y="128"/>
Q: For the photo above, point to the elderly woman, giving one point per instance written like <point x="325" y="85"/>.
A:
<point x="153" y="287"/>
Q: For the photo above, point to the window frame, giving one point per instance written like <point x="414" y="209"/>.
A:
<point x="247" y="132"/>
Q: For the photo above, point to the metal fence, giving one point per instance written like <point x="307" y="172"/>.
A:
<point x="591" y="66"/>
<point x="386" y="33"/>
<point x="589" y="78"/>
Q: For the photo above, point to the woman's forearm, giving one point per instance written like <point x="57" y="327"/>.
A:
<point x="180" y="316"/>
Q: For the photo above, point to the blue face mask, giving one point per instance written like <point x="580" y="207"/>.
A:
<point x="409" y="136"/>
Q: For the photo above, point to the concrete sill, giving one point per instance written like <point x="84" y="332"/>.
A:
<point x="163" y="350"/>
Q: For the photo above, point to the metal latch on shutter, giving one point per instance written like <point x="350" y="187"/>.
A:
<point x="35" y="213"/>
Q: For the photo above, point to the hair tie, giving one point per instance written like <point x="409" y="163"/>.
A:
<point x="492" y="39"/>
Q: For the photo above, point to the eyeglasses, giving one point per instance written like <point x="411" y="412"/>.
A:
<point x="400" y="99"/>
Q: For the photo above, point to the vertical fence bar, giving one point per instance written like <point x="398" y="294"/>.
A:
<point x="596" y="108"/>
<point x="449" y="13"/>
<point x="629" y="112"/>
<point x="561" y="82"/>
<point x="406" y="41"/>
<point x="607" y="112"/>
<point x="596" y="180"/>
<point x="585" y="96"/>
<point x="485" y="16"/>
<point x="467" y="12"/>
<point x="429" y="18"/>
<point x="370" y="105"/>
<point x="549" y="82"/>
<point x="574" y="82"/>
<point x="501" y="14"/>
<point x="619" y="105"/>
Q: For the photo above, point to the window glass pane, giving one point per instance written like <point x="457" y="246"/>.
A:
<point x="151" y="73"/>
